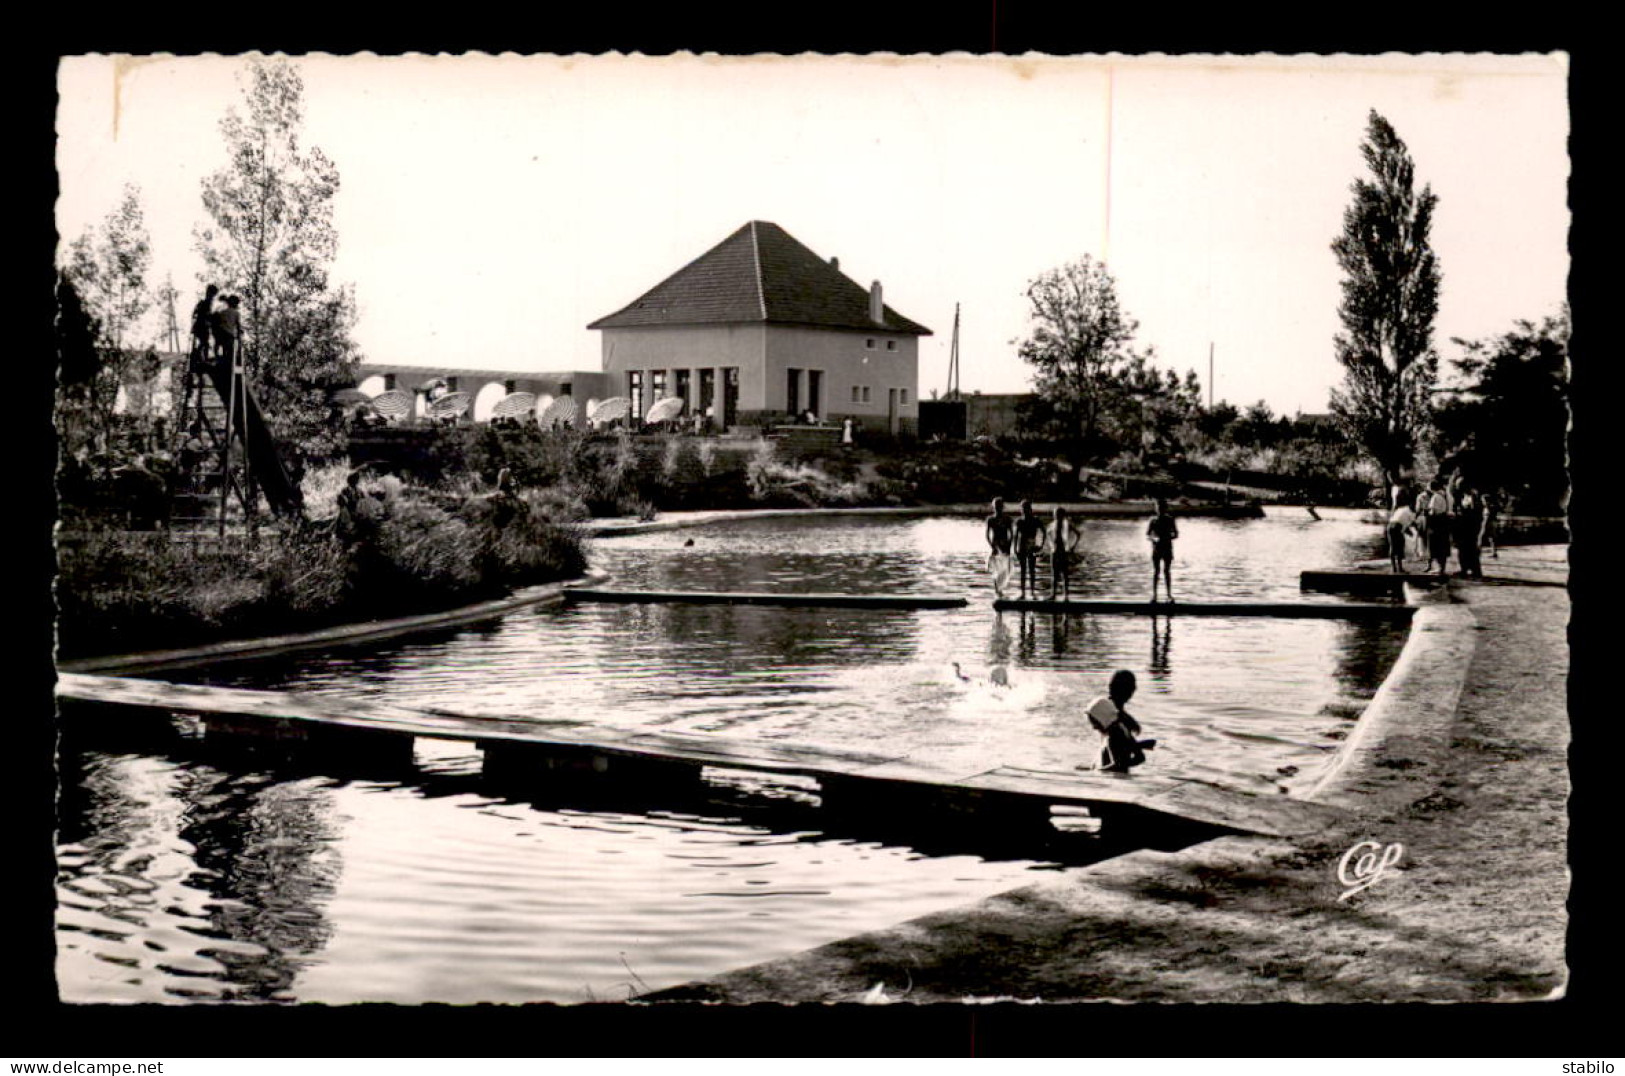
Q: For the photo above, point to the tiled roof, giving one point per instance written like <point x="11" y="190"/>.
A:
<point x="760" y="273"/>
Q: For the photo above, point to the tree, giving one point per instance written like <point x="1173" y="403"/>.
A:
<point x="78" y="364"/>
<point x="271" y="242"/>
<point x="1079" y="342"/>
<point x="1507" y="426"/>
<point x="1390" y="297"/>
<point x="107" y="268"/>
<point x="1150" y="410"/>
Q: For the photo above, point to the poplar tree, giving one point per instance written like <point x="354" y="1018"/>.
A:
<point x="1390" y="298"/>
<point x="271" y="241"/>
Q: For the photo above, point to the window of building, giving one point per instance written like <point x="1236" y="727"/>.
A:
<point x="891" y="345"/>
<point x="902" y="396"/>
<point x="657" y="385"/>
<point x="389" y="382"/>
<point x="451" y="384"/>
<point x="869" y="344"/>
<point x="510" y="387"/>
<point x="564" y="389"/>
<point x="854" y="394"/>
<point x="866" y="394"/>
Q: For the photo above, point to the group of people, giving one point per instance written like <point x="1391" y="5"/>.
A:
<point x="1016" y="542"/>
<point x="217" y="326"/>
<point x="1442" y="514"/>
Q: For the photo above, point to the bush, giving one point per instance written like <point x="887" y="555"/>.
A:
<point x="400" y="550"/>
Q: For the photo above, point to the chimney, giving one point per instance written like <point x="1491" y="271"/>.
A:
<point x="877" y="309"/>
<point x="835" y="263"/>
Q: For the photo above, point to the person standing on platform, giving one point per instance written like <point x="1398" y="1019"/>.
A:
<point x="1161" y="531"/>
<point x="1029" y="540"/>
<point x="202" y="325"/>
<point x="1063" y="542"/>
<point x="1000" y="540"/>
<point x="228" y="329"/>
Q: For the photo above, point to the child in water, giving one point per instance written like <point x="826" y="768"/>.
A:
<point x="1121" y="750"/>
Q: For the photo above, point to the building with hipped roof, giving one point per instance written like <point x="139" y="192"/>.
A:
<point x="758" y="330"/>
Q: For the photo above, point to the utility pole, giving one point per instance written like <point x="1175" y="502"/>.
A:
<point x="953" y="360"/>
<point x="172" y="325"/>
<point x="1210" y="375"/>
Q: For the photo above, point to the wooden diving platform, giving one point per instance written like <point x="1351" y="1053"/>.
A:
<point x="810" y="601"/>
<point x="1337" y="610"/>
<point x="538" y="751"/>
<point x="1345" y="581"/>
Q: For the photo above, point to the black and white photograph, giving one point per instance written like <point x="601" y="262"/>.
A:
<point x="914" y="529"/>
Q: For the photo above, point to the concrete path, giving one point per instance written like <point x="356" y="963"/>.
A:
<point x="1460" y="761"/>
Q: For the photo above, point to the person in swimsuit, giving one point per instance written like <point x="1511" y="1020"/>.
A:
<point x="1121" y="749"/>
<point x="1161" y="532"/>
<point x="1063" y="538"/>
<point x="1000" y="537"/>
<point x="1029" y="540"/>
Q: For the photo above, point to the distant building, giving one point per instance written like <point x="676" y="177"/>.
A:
<point x="485" y="386"/>
<point x="758" y="329"/>
<point x="973" y="415"/>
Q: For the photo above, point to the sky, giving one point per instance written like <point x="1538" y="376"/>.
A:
<point x="490" y="207"/>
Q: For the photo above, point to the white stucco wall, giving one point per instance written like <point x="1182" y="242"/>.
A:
<point x="688" y="347"/>
<point x="846" y="362"/>
<point x="763" y="354"/>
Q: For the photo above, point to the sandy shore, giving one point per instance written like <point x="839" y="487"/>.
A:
<point x="1460" y="760"/>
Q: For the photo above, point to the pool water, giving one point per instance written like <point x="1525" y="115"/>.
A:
<point x="183" y="877"/>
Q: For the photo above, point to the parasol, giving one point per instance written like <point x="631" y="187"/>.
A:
<point x="514" y="405"/>
<point x="561" y="410"/>
<point x="611" y="409"/>
<point x="349" y="397"/>
<point x="543" y="402"/>
<point x="396" y="403"/>
<point x="451" y="405"/>
<point x="666" y="409"/>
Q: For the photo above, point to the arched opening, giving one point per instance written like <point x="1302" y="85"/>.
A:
<point x="487" y="398"/>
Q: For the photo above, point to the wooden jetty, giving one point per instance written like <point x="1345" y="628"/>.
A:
<point x="1344" y="581"/>
<point x="541" y="752"/>
<point x="810" y="601"/>
<point x="1337" y="610"/>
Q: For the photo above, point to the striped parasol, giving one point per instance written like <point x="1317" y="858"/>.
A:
<point x="514" y="405"/>
<point x="451" y="405"/>
<point x="348" y="397"/>
<point x="666" y="409"/>
<point x="611" y="409"/>
<point x="561" y="410"/>
<point x="543" y="402"/>
<point x="396" y="403"/>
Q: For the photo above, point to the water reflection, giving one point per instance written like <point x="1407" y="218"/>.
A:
<point x="187" y="876"/>
<point x="265" y="853"/>
<point x="1162" y="639"/>
<point x="191" y="882"/>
